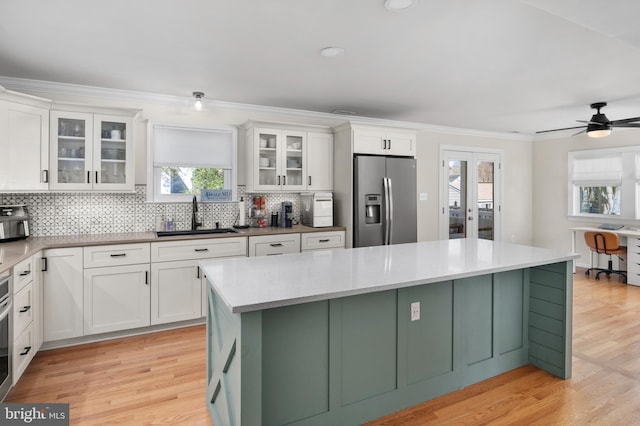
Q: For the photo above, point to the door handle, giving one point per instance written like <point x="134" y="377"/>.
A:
<point x="26" y="351"/>
<point x="25" y="273"/>
<point x="24" y="309"/>
<point x="276" y="245"/>
<point x="45" y="176"/>
<point x="146" y="277"/>
<point x="118" y="254"/>
<point x="88" y="176"/>
<point x="201" y="249"/>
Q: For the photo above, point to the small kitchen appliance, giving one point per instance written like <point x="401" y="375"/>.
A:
<point x="286" y="215"/>
<point x="14" y="223"/>
<point x="317" y="209"/>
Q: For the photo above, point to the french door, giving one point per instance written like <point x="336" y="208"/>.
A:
<point x="470" y="194"/>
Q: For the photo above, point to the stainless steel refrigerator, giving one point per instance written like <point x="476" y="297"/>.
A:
<point x="384" y="200"/>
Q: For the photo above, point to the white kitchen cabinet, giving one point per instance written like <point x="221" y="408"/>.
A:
<point x="273" y="245"/>
<point x="62" y="293"/>
<point x="116" y="298"/>
<point x="177" y="287"/>
<point x="24" y="143"/>
<point x="319" y="161"/>
<point x="311" y="241"/>
<point x="116" y="287"/>
<point x="91" y="152"/>
<point x="382" y="141"/>
<point x="176" y="293"/>
<point x="27" y="308"/>
<point x="288" y="159"/>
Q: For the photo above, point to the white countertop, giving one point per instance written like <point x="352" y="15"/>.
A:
<point x="255" y="283"/>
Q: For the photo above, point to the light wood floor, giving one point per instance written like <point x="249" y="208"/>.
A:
<point x="160" y="378"/>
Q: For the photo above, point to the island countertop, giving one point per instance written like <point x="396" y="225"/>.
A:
<point x="250" y="284"/>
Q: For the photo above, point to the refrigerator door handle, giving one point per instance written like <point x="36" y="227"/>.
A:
<point x="387" y="224"/>
<point x="390" y="211"/>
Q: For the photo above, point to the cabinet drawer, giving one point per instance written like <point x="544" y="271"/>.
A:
<point x="271" y="245"/>
<point x="322" y="240"/>
<point x="198" y="249"/>
<point x="23" y="274"/>
<point x="116" y="255"/>
<point x="23" y="352"/>
<point x="22" y="309"/>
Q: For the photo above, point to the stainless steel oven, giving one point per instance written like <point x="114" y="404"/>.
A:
<point x="5" y="333"/>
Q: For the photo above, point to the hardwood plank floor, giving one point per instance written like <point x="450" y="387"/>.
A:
<point x="160" y="378"/>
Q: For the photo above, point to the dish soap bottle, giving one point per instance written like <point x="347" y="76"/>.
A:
<point x="170" y="226"/>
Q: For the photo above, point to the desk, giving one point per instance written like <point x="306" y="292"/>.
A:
<point x="633" y="249"/>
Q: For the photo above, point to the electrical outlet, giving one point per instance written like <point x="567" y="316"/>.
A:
<point x="424" y="196"/>
<point x="415" y="311"/>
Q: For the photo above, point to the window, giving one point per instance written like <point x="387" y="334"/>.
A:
<point x="603" y="183"/>
<point x="183" y="161"/>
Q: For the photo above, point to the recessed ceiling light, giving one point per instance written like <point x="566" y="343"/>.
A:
<point x="399" y="4"/>
<point x="330" y="52"/>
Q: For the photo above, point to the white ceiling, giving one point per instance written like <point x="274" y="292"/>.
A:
<point x="496" y="65"/>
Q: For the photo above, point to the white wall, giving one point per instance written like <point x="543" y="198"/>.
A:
<point x="551" y="226"/>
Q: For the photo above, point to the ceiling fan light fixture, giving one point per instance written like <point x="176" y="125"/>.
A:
<point x="198" y="103"/>
<point x="599" y="133"/>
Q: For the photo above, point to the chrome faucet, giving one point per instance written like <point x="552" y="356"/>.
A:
<point x="194" y="210"/>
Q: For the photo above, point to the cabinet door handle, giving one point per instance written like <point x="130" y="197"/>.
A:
<point x="201" y="249"/>
<point x="384" y="144"/>
<point x="274" y="254"/>
<point x="24" y="309"/>
<point x="309" y="180"/>
<point x="324" y="241"/>
<point x="96" y="176"/>
<point x="197" y="272"/>
<point x="284" y="180"/>
<point x="45" y="264"/>
<point x="276" y="244"/>
<point x="118" y="254"/>
<point x="88" y="176"/>
<point x="26" y="351"/>
<point x="25" y="273"/>
<point x="45" y="176"/>
<point x="278" y="180"/>
<point x="146" y="277"/>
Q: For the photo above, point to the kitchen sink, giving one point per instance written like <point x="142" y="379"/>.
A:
<point x="196" y="232"/>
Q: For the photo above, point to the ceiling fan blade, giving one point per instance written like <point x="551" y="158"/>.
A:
<point x="625" y="120"/>
<point x="581" y="131"/>
<point x="564" y="128"/>
<point x="589" y="122"/>
<point x="625" y="125"/>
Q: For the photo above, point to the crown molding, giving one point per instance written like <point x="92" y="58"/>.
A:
<point x="49" y="87"/>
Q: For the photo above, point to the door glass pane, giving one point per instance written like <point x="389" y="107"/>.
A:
<point x="113" y="152"/>
<point x="457" y="195"/>
<point x="485" y="198"/>
<point x="294" y="160"/>
<point x="267" y="159"/>
<point x="71" y="149"/>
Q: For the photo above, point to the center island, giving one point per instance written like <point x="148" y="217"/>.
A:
<point x="345" y="336"/>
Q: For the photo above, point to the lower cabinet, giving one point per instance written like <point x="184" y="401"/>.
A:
<point x="27" y="319"/>
<point x="176" y="291"/>
<point x="62" y="293"/>
<point x="116" y="287"/>
<point x="272" y="245"/>
<point x="116" y="298"/>
<point x="633" y="261"/>
<point x="311" y="241"/>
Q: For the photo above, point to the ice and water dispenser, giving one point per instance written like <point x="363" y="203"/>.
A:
<point x="372" y="205"/>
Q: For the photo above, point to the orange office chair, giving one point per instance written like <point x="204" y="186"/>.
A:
<point x="605" y="243"/>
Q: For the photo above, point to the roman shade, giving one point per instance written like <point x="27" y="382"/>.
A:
<point x="192" y="147"/>
<point x="597" y="171"/>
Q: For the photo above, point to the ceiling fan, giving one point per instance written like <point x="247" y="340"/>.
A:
<point x="599" y="126"/>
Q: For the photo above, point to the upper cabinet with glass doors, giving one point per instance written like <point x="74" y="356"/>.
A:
<point x="91" y="152"/>
<point x="278" y="160"/>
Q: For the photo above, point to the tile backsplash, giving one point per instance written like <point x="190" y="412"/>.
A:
<point x="82" y="213"/>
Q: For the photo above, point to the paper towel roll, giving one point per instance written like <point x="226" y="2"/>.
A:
<point x="242" y="212"/>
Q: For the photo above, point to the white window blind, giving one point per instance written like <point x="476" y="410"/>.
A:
<point x="596" y="171"/>
<point x="192" y="147"/>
